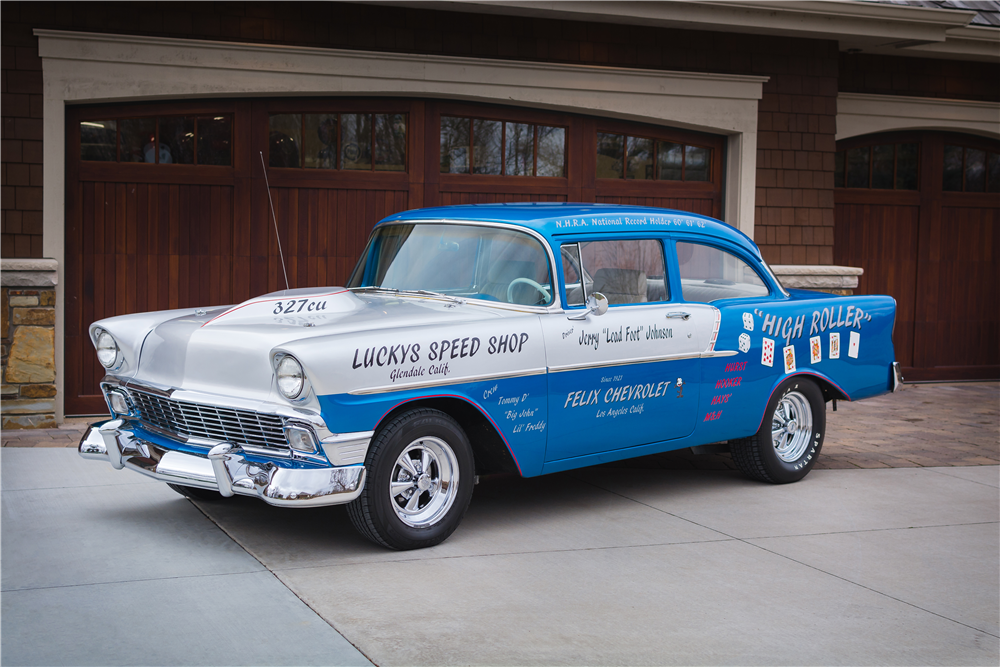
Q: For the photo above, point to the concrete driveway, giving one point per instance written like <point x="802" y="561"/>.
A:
<point x="635" y="563"/>
<point x="604" y="566"/>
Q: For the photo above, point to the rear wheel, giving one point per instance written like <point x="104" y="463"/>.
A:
<point x="790" y="437"/>
<point x="420" y="477"/>
<point x="195" y="493"/>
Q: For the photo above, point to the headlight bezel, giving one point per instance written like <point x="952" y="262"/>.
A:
<point x="115" y="361"/>
<point x="283" y="360"/>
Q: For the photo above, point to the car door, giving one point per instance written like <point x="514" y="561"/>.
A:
<point x="628" y="377"/>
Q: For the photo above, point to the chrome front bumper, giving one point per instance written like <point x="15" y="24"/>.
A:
<point x="225" y="470"/>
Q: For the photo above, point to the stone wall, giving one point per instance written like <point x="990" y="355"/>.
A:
<point x="27" y="330"/>
<point x="842" y="280"/>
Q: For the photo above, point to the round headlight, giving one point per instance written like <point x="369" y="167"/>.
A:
<point x="290" y="377"/>
<point x="107" y="349"/>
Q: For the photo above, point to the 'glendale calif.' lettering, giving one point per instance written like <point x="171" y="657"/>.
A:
<point x="456" y="348"/>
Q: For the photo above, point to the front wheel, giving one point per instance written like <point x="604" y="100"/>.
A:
<point x="790" y="437"/>
<point x="420" y="477"/>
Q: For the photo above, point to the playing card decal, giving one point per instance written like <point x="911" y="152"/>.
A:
<point x="852" y="350"/>
<point x="767" y="352"/>
<point x="815" y="350"/>
<point x="835" y="345"/>
<point x="789" y="354"/>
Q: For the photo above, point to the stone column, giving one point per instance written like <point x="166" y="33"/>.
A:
<point x="841" y="280"/>
<point x="27" y="330"/>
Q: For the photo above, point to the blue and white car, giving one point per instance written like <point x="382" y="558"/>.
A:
<point x="524" y="338"/>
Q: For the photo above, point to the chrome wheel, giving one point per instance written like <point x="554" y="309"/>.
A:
<point x="424" y="481"/>
<point x="791" y="427"/>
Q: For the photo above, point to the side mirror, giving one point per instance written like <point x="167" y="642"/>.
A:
<point x="597" y="304"/>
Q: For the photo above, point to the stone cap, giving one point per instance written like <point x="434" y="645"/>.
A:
<point x="28" y="272"/>
<point x="804" y="276"/>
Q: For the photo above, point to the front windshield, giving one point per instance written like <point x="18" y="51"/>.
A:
<point x="466" y="261"/>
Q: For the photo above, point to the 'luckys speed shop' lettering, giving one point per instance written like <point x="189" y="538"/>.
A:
<point x="440" y="351"/>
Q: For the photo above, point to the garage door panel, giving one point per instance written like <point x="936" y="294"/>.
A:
<point x="936" y="253"/>
<point x="882" y="240"/>
<point x="143" y="237"/>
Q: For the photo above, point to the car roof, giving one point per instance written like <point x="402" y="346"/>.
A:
<point x="554" y="219"/>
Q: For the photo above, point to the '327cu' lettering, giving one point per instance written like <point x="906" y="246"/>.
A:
<point x="298" y="306"/>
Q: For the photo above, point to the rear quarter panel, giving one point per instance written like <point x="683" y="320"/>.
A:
<point x="844" y="340"/>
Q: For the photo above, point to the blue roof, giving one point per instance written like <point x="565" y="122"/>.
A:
<point x="557" y="218"/>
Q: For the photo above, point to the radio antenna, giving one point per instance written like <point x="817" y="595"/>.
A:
<point x="275" y="219"/>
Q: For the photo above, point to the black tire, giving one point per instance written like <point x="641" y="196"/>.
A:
<point x="195" y="493"/>
<point x="399" y="450"/>
<point x="793" y="455"/>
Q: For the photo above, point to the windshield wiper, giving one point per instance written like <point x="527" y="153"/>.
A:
<point x="420" y="292"/>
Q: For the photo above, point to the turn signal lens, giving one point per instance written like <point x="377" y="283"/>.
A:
<point x="118" y="403"/>
<point x="107" y="349"/>
<point x="290" y="377"/>
<point x="300" y="439"/>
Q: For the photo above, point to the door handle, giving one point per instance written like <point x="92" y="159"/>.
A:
<point x="678" y="316"/>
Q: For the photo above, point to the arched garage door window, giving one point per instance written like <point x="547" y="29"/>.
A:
<point x="920" y="213"/>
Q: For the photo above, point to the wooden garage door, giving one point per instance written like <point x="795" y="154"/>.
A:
<point x="167" y="206"/>
<point x="920" y="213"/>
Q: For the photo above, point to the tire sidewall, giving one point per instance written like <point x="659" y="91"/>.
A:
<point x="782" y="471"/>
<point x="389" y="445"/>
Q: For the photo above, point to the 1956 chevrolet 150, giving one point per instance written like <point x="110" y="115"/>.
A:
<point x="525" y="338"/>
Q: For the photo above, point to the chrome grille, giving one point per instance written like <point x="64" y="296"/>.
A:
<point x="196" y="420"/>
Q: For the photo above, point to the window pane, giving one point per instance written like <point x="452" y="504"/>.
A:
<point x="319" y="140"/>
<point x="486" y="149"/>
<point x="355" y="141"/>
<point x="883" y="158"/>
<point x="696" y="164"/>
<point x="571" y="274"/>
<point x="215" y="137"/>
<point x="551" y="151"/>
<point x="709" y="274"/>
<point x="454" y="145"/>
<point x="671" y="160"/>
<point x="906" y="166"/>
<point x="520" y="155"/>
<point x="625" y="271"/>
<point x="640" y="159"/>
<point x="952" y="168"/>
<point x="139" y="140"/>
<point x="975" y="170"/>
<point x="610" y="155"/>
<point x="994" y="180"/>
<point x="284" y="140"/>
<point x="857" y="167"/>
<point x="390" y="142"/>
<point x="838" y="173"/>
<point x="98" y="140"/>
<point x="176" y="140"/>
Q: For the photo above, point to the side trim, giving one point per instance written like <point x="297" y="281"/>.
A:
<point x="443" y="383"/>
<point x="641" y="360"/>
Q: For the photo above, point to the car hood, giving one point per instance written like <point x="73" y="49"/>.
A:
<point x="227" y="351"/>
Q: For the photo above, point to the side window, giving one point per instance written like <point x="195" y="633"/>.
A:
<point x="623" y="271"/>
<point x="709" y="274"/>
